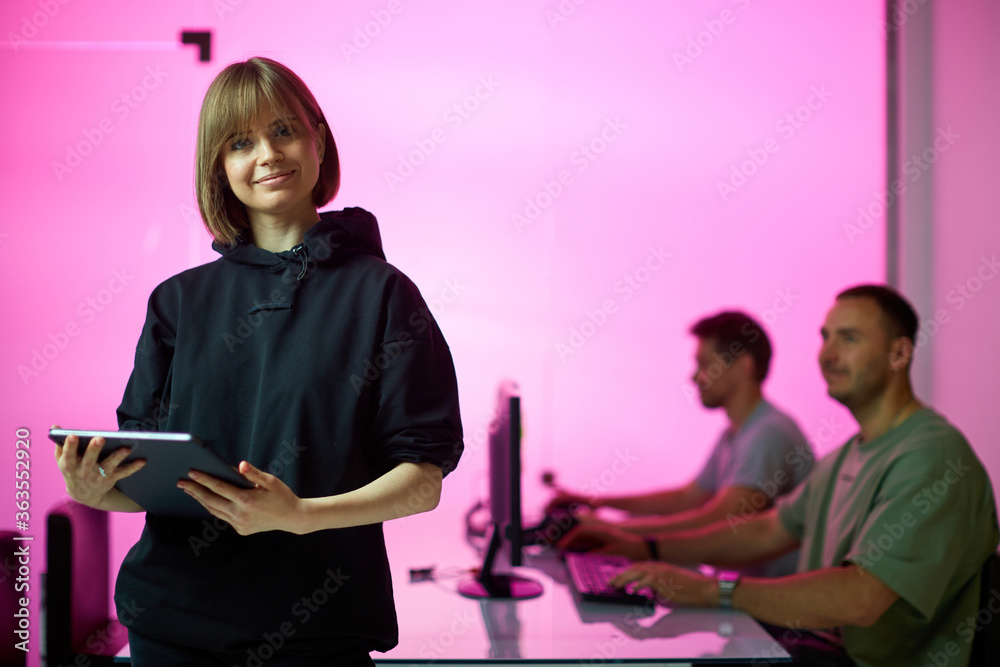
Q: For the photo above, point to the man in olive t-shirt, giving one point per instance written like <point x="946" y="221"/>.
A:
<point x="893" y="528"/>
<point x="915" y="509"/>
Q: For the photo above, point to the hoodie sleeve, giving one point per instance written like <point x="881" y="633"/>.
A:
<point x="145" y="404"/>
<point x="416" y="416"/>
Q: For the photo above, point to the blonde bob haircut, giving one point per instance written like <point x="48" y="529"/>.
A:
<point x="233" y="101"/>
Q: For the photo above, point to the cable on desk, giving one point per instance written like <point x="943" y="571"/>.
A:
<point x="418" y="574"/>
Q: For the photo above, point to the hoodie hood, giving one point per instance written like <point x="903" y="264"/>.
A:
<point x="337" y="235"/>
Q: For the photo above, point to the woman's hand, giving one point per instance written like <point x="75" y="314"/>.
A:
<point x="85" y="482"/>
<point x="270" y="505"/>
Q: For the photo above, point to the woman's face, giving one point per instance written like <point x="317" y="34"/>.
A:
<point x="273" y="166"/>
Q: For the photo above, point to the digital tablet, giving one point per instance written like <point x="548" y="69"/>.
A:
<point x="169" y="458"/>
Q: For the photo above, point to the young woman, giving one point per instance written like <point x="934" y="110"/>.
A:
<point x="305" y="356"/>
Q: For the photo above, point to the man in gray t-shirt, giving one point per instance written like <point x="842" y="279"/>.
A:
<point x="761" y="455"/>
<point x="767" y="454"/>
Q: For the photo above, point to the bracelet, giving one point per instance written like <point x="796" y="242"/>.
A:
<point x="654" y="550"/>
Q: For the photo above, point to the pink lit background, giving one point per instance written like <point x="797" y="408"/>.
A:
<point x="576" y="273"/>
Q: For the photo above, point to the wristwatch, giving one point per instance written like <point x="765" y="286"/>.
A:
<point x="654" y="550"/>
<point x="727" y="586"/>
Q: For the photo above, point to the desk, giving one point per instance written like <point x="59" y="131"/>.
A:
<point x="437" y="624"/>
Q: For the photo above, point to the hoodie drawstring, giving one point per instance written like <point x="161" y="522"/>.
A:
<point x="303" y="255"/>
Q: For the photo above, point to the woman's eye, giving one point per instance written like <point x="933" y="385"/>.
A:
<point x="240" y="144"/>
<point x="283" y="131"/>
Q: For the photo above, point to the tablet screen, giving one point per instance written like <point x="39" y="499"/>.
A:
<point x="169" y="457"/>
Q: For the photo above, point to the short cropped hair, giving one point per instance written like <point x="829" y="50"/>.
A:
<point x="899" y="314"/>
<point x="234" y="99"/>
<point x="733" y="329"/>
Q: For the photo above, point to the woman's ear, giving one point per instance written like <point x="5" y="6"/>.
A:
<point x="321" y="141"/>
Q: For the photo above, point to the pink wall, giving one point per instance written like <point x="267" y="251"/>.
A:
<point x="556" y="197"/>
<point x="966" y="225"/>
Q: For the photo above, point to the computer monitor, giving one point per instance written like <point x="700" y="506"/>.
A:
<point x="505" y="469"/>
<point x="506" y="533"/>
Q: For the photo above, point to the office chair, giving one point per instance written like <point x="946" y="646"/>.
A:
<point x="986" y="645"/>
<point x="10" y="601"/>
<point x="76" y="588"/>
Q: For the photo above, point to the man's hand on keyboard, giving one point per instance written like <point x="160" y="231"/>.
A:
<point x="570" y="500"/>
<point x="591" y="519"/>
<point x="671" y="584"/>
<point x="606" y="539"/>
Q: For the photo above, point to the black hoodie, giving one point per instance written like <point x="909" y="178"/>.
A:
<point x="320" y="365"/>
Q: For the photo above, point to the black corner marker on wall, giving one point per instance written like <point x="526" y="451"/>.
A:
<point x="203" y="39"/>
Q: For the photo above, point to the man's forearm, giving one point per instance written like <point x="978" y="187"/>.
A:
<point x="719" y="544"/>
<point x="696" y="518"/>
<point x="659" y="502"/>
<point x="825" y="598"/>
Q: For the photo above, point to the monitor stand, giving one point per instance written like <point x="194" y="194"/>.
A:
<point x="493" y="585"/>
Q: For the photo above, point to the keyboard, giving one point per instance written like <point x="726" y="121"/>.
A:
<point x="589" y="573"/>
